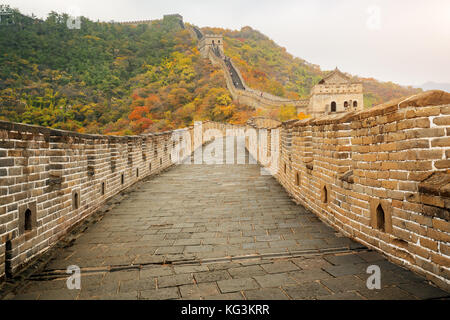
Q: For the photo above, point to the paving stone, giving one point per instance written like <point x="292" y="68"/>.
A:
<point x="187" y="242"/>
<point x="424" y="290"/>
<point x="246" y="271"/>
<point x="344" y="283"/>
<point x="136" y="285"/>
<point x="283" y="244"/>
<point x="309" y="275"/>
<point x="190" y="268"/>
<point x="370" y="256"/>
<point x="152" y="272"/>
<point x="341" y="296"/>
<point x="160" y="294"/>
<point x="275" y="280"/>
<point x="120" y="296"/>
<point x="234" y="285"/>
<point x="241" y="240"/>
<point x="347" y="269"/>
<point x="280" y="266"/>
<point x="165" y="250"/>
<point x="389" y="293"/>
<point x="210" y="276"/>
<point x="198" y="291"/>
<point x="174" y="280"/>
<point x="221" y="266"/>
<point x="311" y="263"/>
<point x="266" y="294"/>
<point x="268" y="238"/>
<point x="60" y="294"/>
<point x="201" y="248"/>
<point x="24" y="296"/>
<point x="39" y="286"/>
<point x="307" y="290"/>
<point x="343" y="259"/>
<point x="255" y="245"/>
<point x="222" y="241"/>
<point x="148" y="258"/>
<point x="97" y="292"/>
<point x="120" y="275"/>
<point x="226" y="296"/>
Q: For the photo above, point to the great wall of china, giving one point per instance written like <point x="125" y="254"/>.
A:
<point x="379" y="176"/>
<point x="235" y="82"/>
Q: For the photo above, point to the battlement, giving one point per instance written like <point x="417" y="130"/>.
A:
<point x="165" y="17"/>
<point x="379" y="176"/>
<point x="210" y="42"/>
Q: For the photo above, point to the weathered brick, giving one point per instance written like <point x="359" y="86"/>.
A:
<point x="8" y="162"/>
<point x="442" y="121"/>
<point x="428" y="243"/>
<point x="441" y="142"/>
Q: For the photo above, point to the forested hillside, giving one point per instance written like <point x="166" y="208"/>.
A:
<point x="122" y="79"/>
<point x="108" y="78"/>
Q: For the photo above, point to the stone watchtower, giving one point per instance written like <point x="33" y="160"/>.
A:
<point x="210" y="41"/>
<point x="336" y="93"/>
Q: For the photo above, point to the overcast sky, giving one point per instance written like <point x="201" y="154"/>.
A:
<point x="404" y="41"/>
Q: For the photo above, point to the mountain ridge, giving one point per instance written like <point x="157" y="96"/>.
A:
<point x="123" y="79"/>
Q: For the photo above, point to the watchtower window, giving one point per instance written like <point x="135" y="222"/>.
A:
<point x="160" y="161"/>
<point x="150" y="166"/>
<point x="297" y="179"/>
<point x="380" y="218"/>
<point x="75" y="201"/>
<point x="8" y="257"/>
<point x="122" y="179"/>
<point x="285" y="167"/>
<point x="137" y="172"/>
<point x="345" y="104"/>
<point x="325" y="194"/>
<point x="333" y="106"/>
<point x="355" y="104"/>
<point x="103" y="188"/>
<point x="28" y="225"/>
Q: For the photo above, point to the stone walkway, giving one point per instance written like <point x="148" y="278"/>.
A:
<point x="217" y="232"/>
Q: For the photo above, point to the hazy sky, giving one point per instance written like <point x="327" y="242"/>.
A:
<point x="405" y="41"/>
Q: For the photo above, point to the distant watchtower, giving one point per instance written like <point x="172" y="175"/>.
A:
<point x="210" y="41"/>
<point x="334" y="94"/>
<point x="176" y="16"/>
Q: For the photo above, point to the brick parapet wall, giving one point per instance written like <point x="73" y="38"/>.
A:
<point x="343" y="167"/>
<point x="250" y="96"/>
<point x="393" y="158"/>
<point x="43" y="170"/>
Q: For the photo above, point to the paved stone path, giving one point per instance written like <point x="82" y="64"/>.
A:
<point x="218" y="232"/>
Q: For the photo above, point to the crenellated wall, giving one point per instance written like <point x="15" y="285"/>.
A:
<point x="380" y="176"/>
<point x="50" y="180"/>
<point x="250" y="96"/>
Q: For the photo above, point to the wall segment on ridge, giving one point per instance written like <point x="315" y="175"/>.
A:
<point x="380" y="176"/>
<point x="58" y="178"/>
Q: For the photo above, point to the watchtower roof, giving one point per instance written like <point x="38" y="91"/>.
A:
<point x="336" y="77"/>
